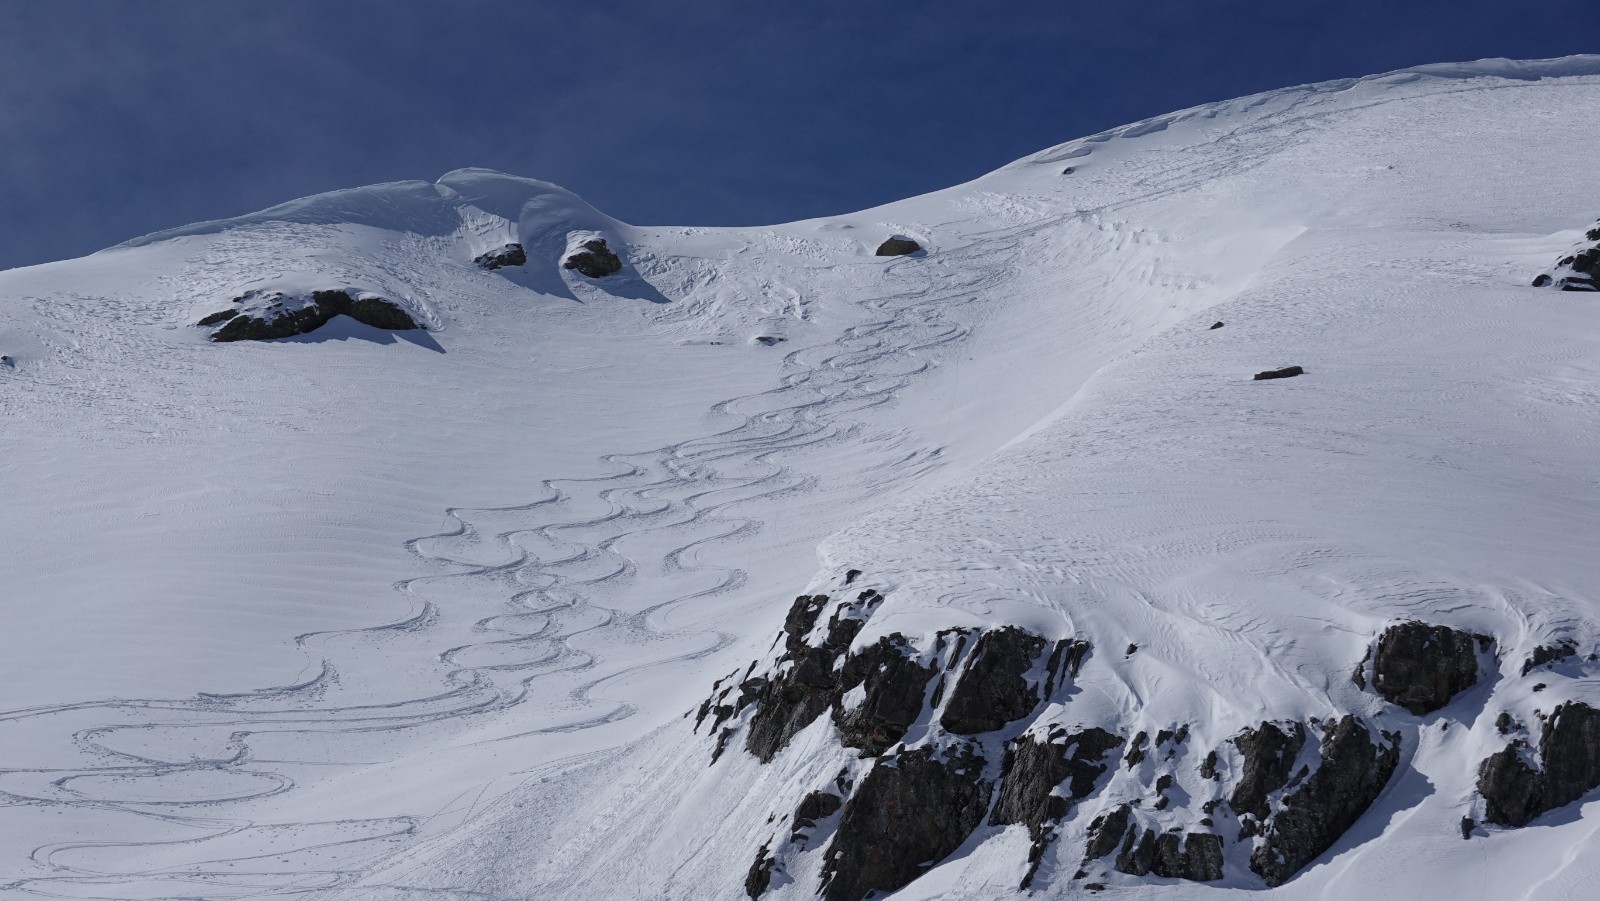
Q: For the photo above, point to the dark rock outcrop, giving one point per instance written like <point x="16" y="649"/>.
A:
<point x="817" y="805"/>
<point x="1548" y="654"/>
<point x="1421" y="667"/>
<point x="1288" y="372"/>
<point x="898" y="246"/>
<point x="759" y="878"/>
<point x="1196" y="856"/>
<point x="219" y="316"/>
<point x="909" y="812"/>
<point x="1216" y="325"/>
<point x="1106" y="831"/>
<point x="895" y="685"/>
<point x="510" y="255"/>
<point x="1579" y="271"/>
<point x="807" y="681"/>
<point x="324" y="305"/>
<point x="596" y="260"/>
<point x="993" y="689"/>
<point x="1353" y="771"/>
<point x="1030" y="775"/>
<point x="1515" y="793"/>
<point x="1269" y="753"/>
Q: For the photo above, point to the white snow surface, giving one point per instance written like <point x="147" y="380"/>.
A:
<point x="418" y="615"/>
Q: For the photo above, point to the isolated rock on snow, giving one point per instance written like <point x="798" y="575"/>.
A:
<point x="595" y="260"/>
<point x="1578" y="271"/>
<point x="1569" y="767"/>
<point x="898" y="246"/>
<point x="908" y="812"/>
<point x="1288" y="372"/>
<point x="509" y="255"/>
<point x="1354" y="769"/>
<point x="323" y="306"/>
<point x="1421" y="667"/>
<point x="1551" y="653"/>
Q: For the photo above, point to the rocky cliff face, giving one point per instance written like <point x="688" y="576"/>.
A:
<point x="942" y="736"/>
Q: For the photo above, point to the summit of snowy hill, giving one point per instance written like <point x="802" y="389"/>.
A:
<point x="1200" y="508"/>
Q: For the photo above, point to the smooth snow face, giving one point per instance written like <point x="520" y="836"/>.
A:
<point x="419" y="613"/>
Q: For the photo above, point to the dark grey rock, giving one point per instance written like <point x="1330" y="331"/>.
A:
<point x="1106" y="831"/>
<point x="759" y="878"/>
<point x="817" y="805"/>
<point x="1548" y="654"/>
<point x="1540" y="280"/>
<point x="1354" y="770"/>
<point x="325" y="305"/>
<point x="898" y="246"/>
<point x="1587" y="262"/>
<point x="1196" y="857"/>
<point x="808" y="681"/>
<point x="1569" y="767"/>
<point x="219" y="316"/>
<point x="1421" y="667"/>
<point x="1216" y="325"/>
<point x="1269" y="753"/>
<point x="1136" y="750"/>
<point x="993" y="690"/>
<point x="510" y="255"/>
<point x="1030" y="774"/>
<point x="1138" y="856"/>
<point x="908" y="813"/>
<point x="895" y="686"/>
<point x="595" y="260"/>
<point x="1202" y="857"/>
<point x="1287" y="372"/>
<point x="803" y="687"/>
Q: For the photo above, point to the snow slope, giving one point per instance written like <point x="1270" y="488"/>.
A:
<point x="376" y="614"/>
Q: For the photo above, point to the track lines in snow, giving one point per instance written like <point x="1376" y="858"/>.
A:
<point x="533" y="617"/>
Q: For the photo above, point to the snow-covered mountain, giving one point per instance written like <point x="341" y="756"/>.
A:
<point x="443" y="540"/>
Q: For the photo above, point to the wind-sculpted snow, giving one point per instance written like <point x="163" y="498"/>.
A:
<point x="503" y="607"/>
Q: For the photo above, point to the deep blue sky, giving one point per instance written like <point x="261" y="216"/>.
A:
<point x="120" y="118"/>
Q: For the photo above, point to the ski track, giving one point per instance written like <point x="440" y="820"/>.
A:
<point x="525" y="614"/>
